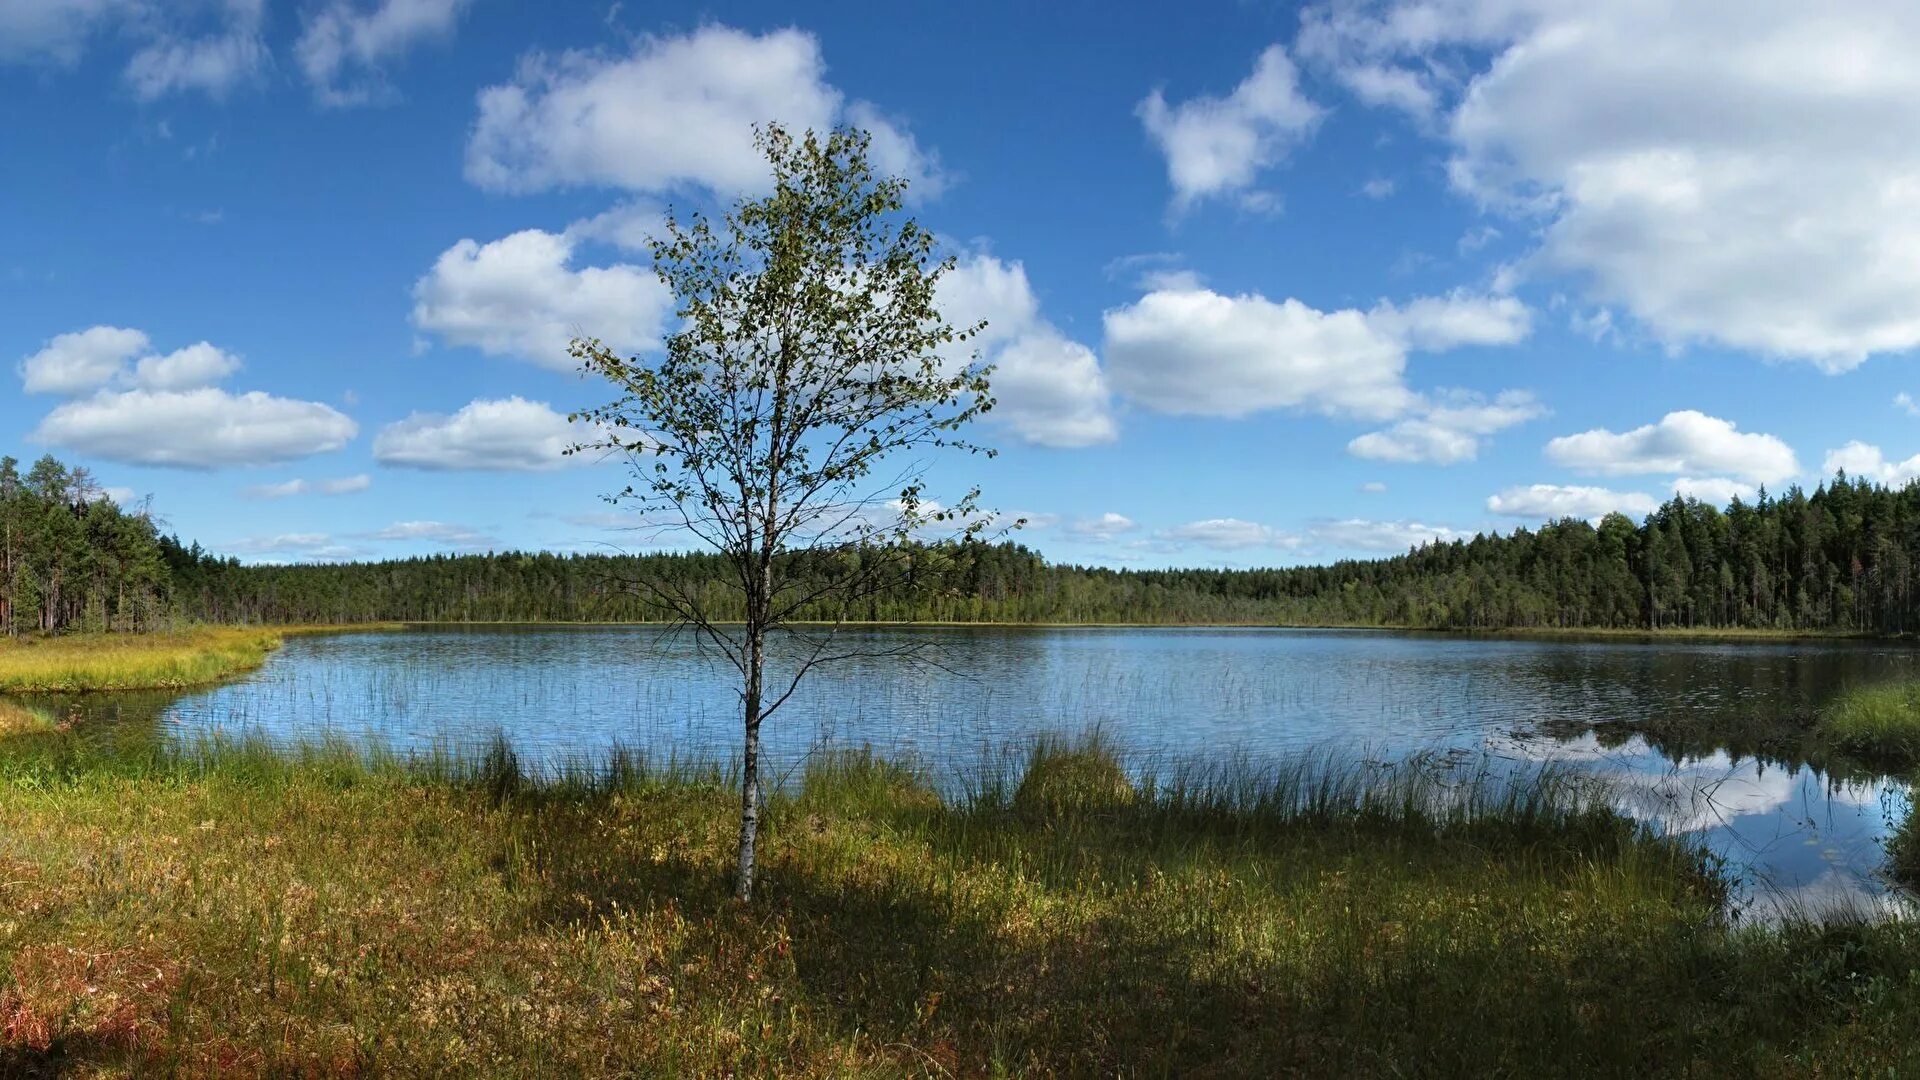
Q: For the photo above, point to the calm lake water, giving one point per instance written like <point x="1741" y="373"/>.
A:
<point x="1160" y="694"/>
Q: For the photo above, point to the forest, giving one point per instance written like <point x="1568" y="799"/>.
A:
<point x="73" y="559"/>
<point x="1842" y="557"/>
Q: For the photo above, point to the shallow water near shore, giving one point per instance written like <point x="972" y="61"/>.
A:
<point x="951" y="697"/>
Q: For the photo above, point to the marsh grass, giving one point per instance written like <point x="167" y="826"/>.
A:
<point x="235" y="909"/>
<point x="86" y="663"/>
<point x="1878" y="722"/>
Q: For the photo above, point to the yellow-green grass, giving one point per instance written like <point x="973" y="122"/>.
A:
<point x="236" y="912"/>
<point x="82" y="663"/>
<point x="16" y="719"/>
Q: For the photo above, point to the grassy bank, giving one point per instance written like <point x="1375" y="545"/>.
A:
<point x="238" y="912"/>
<point x="84" y="663"/>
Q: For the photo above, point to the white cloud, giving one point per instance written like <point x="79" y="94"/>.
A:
<point x="1048" y="389"/>
<point x="1551" y="502"/>
<point x="345" y="485"/>
<point x="438" y="532"/>
<point x="1864" y="460"/>
<point x="674" y="111"/>
<point x="508" y="435"/>
<point x="203" y="428"/>
<point x="1728" y="171"/>
<point x="101" y="356"/>
<point x="201" y="364"/>
<point x="1105" y="527"/>
<point x="212" y="64"/>
<point x="1378" y="536"/>
<point x="1374" y="487"/>
<point x="55" y="30"/>
<point x="1685" y="442"/>
<point x="1228" y="534"/>
<point x="1190" y="350"/>
<point x="292" y="547"/>
<point x="345" y="45"/>
<point x="1460" y="318"/>
<point x="211" y="46"/>
<point x="78" y="362"/>
<point x="1449" y="430"/>
<point x="1905" y="403"/>
<point x="1220" y="146"/>
<point x="1714" y="490"/>
<point x="1380" y="187"/>
<point x="519" y="296"/>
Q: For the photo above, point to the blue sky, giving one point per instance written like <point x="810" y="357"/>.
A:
<point x="1267" y="283"/>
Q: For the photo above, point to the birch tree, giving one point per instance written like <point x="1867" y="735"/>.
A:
<point x="790" y="419"/>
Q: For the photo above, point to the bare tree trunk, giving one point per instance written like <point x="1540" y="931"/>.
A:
<point x="750" y="762"/>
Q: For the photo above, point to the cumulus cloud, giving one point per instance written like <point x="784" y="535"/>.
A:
<point x="1220" y="146"/>
<point x="1356" y="534"/>
<point x="1865" y="460"/>
<point x="201" y="364"/>
<point x="1048" y="389"/>
<point x="1729" y="172"/>
<point x="1685" y="442"/>
<point x="81" y="361"/>
<point x="1228" y="534"/>
<point x="1552" y="502"/>
<point x="1105" y="527"/>
<point x="211" y="63"/>
<point x="103" y="356"/>
<point x="1448" y="430"/>
<point x="1188" y="350"/>
<point x="345" y="46"/>
<point x="671" y="112"/>
<point x="507" y="435"/>
<point x="1714" y="490"/>
<point x="520" y="296"/>
<point x="200" y="429"/>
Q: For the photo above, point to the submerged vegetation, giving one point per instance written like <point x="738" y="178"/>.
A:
<point x="238" y="911"/>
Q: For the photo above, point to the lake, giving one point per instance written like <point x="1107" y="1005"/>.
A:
<point x="1162" y="695"/>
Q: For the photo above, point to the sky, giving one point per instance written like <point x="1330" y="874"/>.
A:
<point x="1265" y="284"/>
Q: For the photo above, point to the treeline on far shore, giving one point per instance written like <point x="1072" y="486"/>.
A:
<point x="1842" y="557"/>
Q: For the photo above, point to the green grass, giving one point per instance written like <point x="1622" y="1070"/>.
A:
<point x="235" y="911"/>
<point x="1881" y="723"/>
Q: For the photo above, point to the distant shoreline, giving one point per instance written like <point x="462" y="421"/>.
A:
<point x="1622" y="633"/>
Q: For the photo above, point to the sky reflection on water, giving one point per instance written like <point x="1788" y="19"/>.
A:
<point x="1163" y="695"/>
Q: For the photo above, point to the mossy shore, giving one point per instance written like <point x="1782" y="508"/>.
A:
<point x="235" y="911"/>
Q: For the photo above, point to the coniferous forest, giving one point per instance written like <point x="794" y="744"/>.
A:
<point x="73" y="559"/>
<point x="1842" y="557"/>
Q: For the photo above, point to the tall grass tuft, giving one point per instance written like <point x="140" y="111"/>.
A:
<point x="1881" y="723"/>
